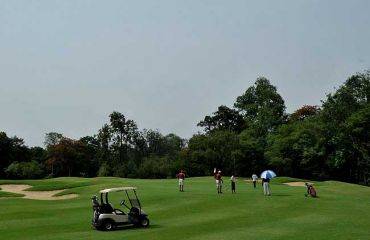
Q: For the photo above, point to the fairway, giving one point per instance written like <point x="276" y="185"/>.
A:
<point x="340" y="212"/>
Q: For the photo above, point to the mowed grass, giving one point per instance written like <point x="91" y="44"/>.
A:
<point x="342" y="211"/>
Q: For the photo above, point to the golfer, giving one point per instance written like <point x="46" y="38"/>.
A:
<point x="254" y="179"/>
<point x="266" y="186"/>
<point x="181" y="177"/>
<point x="233" y="180"/>
<point x="219" y="181"/>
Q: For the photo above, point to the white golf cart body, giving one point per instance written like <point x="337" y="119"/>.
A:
<point x="105" y="217"/>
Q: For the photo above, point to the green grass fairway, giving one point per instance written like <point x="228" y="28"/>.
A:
<point x="342" y="211"/>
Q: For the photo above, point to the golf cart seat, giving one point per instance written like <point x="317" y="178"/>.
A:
<point x="107" y="208"/>
<point x="134" y="210"/>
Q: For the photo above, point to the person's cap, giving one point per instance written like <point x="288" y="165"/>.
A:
<point x="219" y="171"/>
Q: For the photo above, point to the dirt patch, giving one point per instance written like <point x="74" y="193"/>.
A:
<point x="297" y="184"/>
<point x="37" y="195"/>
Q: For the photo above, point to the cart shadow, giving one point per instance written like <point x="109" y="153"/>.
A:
<point x="131" y="227"/>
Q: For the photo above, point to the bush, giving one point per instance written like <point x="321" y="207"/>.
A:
<point x="104" y="170"/>
<point x="155" y="167"/>
<point x="24" y="170"/>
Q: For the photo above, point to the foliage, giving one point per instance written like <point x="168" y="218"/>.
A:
<point x="218" y="149"/>
<point x="262" y="106"/>
<point x="223" y="119"/>
<point x="321" y="142"/>
<point x="304" y="112"/>
<point x="357" y="128"/>
<point x="350" y="98"/>
<point x="24" y="170"/>
<point x="297" y="149"/>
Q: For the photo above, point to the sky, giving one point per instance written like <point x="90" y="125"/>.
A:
<point x="66" y="65"/>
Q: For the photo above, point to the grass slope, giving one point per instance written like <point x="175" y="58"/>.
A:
<point x="340" y="212"/>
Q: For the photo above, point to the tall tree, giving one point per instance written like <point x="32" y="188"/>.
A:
<point x="123" y="131"/>
<point x="51" y="140"/>
<point x="351" y="97"/>
<point x="5" y="152"/>
<point x="358" y="129"/>
<point x="262" y="106"/>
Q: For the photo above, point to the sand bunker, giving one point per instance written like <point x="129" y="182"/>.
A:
<point x="38" y="195"/>
<point x="297" y="184"/>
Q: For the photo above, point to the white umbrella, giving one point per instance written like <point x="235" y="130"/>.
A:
<point x="268" y="174"/>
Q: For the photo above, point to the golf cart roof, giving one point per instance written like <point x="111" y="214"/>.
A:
<point x="117" y="189"/>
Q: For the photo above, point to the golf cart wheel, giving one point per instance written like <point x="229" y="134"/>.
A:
<point x="108" y="225"/>
<point x="144" y="222"/>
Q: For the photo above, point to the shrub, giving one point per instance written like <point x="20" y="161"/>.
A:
<point x="24" y="170"/>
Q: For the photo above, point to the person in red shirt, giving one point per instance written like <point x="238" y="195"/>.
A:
<point x="218" y="177"/>
<point x="181" y="177"/>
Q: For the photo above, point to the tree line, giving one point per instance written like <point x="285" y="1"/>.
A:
<point x="331" y="141"/>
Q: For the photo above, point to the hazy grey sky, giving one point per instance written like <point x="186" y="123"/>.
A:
<point x="66" y="65"/>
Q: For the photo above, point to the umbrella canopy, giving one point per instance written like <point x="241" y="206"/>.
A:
<point x="268" y="174"/>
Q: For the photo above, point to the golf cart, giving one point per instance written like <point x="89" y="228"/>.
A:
<point x="105" y="217"/>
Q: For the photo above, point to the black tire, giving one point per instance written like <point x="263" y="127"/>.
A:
<point x="108" y="225"/>
<point x="144" y="222"/>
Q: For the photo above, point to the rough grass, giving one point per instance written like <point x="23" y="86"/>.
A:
<point x="340" y="212"/>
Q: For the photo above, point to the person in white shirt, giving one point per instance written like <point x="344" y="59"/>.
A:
<point x="233" y="180"/>
<point x="254" y="180"/>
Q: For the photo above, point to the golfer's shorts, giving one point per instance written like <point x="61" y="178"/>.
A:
<point x="218" y="183"/>
<point x="181" y="182"/>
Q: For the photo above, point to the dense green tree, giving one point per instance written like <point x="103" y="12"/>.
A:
<point x="351" y="97"/>
<point x="11" y="150"/>
<point x="262" y="106"/>
<point x="89" y="148"/>
<point x="38" y="154"/>
<point x="218" y="149"/>
<point x="24" y="170"/>
<point x="155" y="142"/>
<point x="252" y="152"/>
<point x="103" y="153"/>
<point x="297" y="149"/>
<point x="5" y="152"/>
<point x="223" y="119"/>
<point x="174" y="143"/>
<point x="358" y="130"/>
<point x="155" y="167"/>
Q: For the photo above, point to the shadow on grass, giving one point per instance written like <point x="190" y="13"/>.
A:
<point x="132" y="227"/>
<point x="281" y="195"/>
